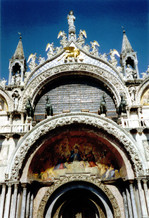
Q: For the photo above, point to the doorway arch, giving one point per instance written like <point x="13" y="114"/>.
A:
<point x="80" y="199"/>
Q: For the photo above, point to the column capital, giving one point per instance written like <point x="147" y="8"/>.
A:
<point x="24" y="185"/>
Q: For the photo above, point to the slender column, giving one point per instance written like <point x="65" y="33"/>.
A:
<point x="142" y="200"/>
<point x="18" y="204"/>
<point x="14" y="208"/>
<point x="138" y="201"/>
<point x="28" y="204"/>
<point x="7" y="204"/>
<point x="125" y="204"/>
<point x="31" y="206"/>
<point x="2" y="203"/>
<point x="133" y="200"/>
<point x="146" y="192"/>
<point x="129" y="204"/>
<point x="23" y="206"/>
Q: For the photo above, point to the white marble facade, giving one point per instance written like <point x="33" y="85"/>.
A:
<point x="22" y="134"/>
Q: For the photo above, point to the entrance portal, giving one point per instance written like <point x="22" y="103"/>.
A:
<point x="79" y="206"/>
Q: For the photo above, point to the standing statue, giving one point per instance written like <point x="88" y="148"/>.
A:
<point x="63" y="37"/>
<point x="122" y="106"/>
<point x="29" y="109"/>
<point x="48" y="107"/>
<point x="113" y="60"/>
<point x="32" y="61"/>
<point x="103" y="106"/>
<point x="71" y="18"/>
<point x="50" y="50"/>
<point x="81" y="38"/>
<point x="94" y="46"/>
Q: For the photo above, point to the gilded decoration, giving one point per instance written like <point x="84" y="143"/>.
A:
<point x="3" y="104"/>
<point x="93" y="120"/>
<point x="145" y="98"/>
<point x="75" y="152"/>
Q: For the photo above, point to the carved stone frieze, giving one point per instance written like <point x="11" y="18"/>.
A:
<point x="113" y="82"/>
<point x="78" y="177"/>
<point x="52" y="123"/>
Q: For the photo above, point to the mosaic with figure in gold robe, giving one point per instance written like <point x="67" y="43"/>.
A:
<point x="75" y="155"/>
<point x="145" y="98"/>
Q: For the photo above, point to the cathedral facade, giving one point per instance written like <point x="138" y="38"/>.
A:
<point x="74" y="132"/>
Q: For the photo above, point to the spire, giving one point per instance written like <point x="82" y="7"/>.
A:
<point x="126" y="46"/>
<point x="19" y="53"/>
<point x="17" y="65"/>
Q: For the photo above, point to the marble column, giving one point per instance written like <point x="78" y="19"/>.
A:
<point x="14" y="208"/>
<point x="18" y="204"/>
<point x="8" y="200"/>
<point x="146" y="192"/>
<point x="129" y="204"/>
<point x="142" y="200"/>
<point x="134" y="208"/>
<point x="138" y="200"/>
<point x="2" y="203"/>
<point x="23" y="205"/>
<point x="125" y="204"/>
<point x="31" y="206"/>
<point x="28" y="204"/>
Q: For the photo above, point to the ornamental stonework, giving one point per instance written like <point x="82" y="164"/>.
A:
<point x="65" y="120"/>
<point x="114" y="83"/>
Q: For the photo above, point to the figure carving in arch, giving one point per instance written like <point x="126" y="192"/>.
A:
<point x="3" y="104"/>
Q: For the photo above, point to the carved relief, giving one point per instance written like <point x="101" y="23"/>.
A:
<point x="111" y="80"/>
<point x="78" y="177"/>
<point x="59" y="121"/>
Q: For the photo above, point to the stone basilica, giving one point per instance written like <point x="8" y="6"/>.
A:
<point x="74" y="132"/>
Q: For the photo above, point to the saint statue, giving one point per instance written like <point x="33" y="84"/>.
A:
<point x="71" y="18"/>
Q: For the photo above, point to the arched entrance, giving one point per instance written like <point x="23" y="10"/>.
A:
<point x="78" y="199"/>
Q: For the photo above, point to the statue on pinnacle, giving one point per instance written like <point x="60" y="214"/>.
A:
<point x="72" y="30"/>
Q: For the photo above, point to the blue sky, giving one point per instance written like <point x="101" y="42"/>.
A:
<point x="40" y="22"/>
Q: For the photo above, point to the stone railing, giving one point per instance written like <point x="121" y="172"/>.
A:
<point x="135" y="123"/>
<point x="15" y="128"/>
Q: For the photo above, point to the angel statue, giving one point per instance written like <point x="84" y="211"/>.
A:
<point x="32" y="59"/>
<point x="50" y="50"/>
<point x="94" y="46"/>
<point x="82" y="35"/>
<point x="113" y="60"/>
<point x="41" y="59"/>
<point x="63" y="37"/>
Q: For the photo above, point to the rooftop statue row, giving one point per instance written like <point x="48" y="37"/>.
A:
<point x="74" y="49"/>
<point x="65" y="43"/>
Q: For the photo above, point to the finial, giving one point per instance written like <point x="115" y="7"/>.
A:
<point x="20" y="35"/>
<point x="123" y="29"/>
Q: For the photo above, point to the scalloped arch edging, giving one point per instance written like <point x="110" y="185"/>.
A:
<point x="109" y="79"/>
<point x="83" y="178"/>
<point x="52" y="123"/>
